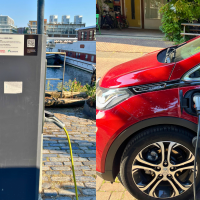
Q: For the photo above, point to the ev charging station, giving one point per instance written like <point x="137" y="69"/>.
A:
<point x="22" y="89"/>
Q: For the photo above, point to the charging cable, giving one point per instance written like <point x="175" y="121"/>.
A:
<point x="49" y="117"/>
<point x="195" y="140"/>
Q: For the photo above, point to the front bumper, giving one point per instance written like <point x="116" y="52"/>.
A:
<point x="110" y="123"/>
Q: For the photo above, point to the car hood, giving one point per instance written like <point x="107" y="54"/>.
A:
<point x="144" y="70"/>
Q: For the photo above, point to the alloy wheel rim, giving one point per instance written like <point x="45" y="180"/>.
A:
<point x="163" y="169"/>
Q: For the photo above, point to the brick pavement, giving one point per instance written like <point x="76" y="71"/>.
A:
<point x="57" y="174"/>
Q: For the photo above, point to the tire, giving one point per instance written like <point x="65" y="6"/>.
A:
<point x="149" y="144"/>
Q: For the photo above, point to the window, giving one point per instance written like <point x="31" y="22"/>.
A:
<point x="34" y="23"/>
<point x="85" y="35"/>
<point x="92" y="58"/>
<point x="68" y="53"/>
<point x="82" y="35"/>
<point x="76" y="55"/>
<point x="192" y="75"/>
<point x="79" y="55"/>
<point x="91" y="35"/>
<point x="86" y="56"/>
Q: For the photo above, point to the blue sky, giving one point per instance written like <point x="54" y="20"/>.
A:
<point x="24" y="10"/>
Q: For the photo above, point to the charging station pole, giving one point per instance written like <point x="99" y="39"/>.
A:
<point x="22" y="87"/>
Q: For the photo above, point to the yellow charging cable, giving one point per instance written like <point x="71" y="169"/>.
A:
<point x="72" y="161"/>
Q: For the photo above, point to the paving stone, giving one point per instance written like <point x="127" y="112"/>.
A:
<point x="90" y="185"/>
<point x="112" y="187"/>
<point x="92" y="148"/>
<point x="51" y="193"/>
<point x="116" y="195"/>
<point x="57" y="151"/>
<point x="68" y="192"/>
<point x="60" y="179"/>
<point x="71" y="185"/>
<point x="89" y="198"/>
<point x="83" y="148"/>
<point x="61" y="168"/>
<point x="99" y="182"/>
<point x="46" y="185"/>
<point x="52" y="148"/>
<point x="49" y="141"/>
<point x="84" y="144"/>
<point x="79" y="159"/>
<point x="92" y="159"/>
<point x="45" y="178"/>
<point x="56" y="145"/>
<point x="60" y="159"/>
<point x="63" y="198"/>
<point x="81" y="167"/>
<point x="45" y="151"/>
<point x="103" y="195"/>
<point x="67" y="148"/>
<point x="75" y="163"/>
<point x="90" y="172"/>
<point x="90" y="192"/>
<point x="68" y="155"/>
<point x="85" y="178"/>
<point x="76" y="151"/>
<point x="87" y="155"/>
<point x="49" y="155"/>
<point x="45" y="168"/>
<point x="89" y="163"/>
<point x="70" y="172"/>
<point x="52" y="172"/>
<point x="53" y="163"/>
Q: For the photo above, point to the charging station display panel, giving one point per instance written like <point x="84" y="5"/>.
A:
<point x="18" y="45"/>
<point x="22" y="87"/>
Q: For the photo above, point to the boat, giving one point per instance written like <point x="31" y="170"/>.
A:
<point x="80" y="52"/>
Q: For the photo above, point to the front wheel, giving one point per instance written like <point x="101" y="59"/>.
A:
<point x="159" y="164"/>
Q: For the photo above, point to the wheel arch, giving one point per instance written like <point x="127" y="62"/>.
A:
<point x="113" y="158"/>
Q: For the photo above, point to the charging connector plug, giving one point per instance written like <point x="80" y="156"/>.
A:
<point x="195" y="140"/>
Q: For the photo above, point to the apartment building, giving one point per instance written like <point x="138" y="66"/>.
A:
<point x="78" y="19"/>
<point x="32" y="25"/>
<point x="53" y="19"/>
<point x="7" y="25"/>
<point x="65" y="19"/>
<point x="63" y="30"/>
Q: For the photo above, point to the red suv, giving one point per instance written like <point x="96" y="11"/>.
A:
<point x="146" y="122"/>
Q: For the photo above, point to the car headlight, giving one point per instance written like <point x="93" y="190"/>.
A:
<point x="108" y="98"/>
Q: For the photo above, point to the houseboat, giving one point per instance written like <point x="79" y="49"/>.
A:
<point x="80" y="52"/>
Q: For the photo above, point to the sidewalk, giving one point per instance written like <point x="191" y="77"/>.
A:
<point x="131" y="32"/>
<point x="57" y="174"/>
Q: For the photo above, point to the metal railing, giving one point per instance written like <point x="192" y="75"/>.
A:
<point x="64" y="53"/>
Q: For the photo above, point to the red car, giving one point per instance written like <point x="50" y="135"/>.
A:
<point x="146" y="121"/>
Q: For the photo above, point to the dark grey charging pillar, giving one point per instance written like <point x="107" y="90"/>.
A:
<point x="22" y="82"/>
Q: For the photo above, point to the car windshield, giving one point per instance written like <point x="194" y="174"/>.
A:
<point x="187" y="50"/>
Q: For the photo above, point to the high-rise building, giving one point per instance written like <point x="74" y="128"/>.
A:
<point x="53" y="19"/>
<point x="7" y="25"/>
<point x="65" y="19"/>
<point x="78" y="19"/>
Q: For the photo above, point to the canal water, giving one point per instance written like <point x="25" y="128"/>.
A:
<point x="70" y="74"/>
